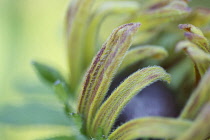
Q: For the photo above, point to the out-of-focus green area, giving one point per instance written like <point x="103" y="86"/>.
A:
<point x="32" y="30"/>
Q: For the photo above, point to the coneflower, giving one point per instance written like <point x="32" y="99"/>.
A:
<point x="97" y="106"/>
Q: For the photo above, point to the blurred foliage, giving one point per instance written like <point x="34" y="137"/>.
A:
<point x="30" y="30"/>
<point x="33" y="30"/>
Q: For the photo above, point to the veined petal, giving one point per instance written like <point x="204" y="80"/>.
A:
<point x="103" y="68"/>
<point x="150" y="127"/>
<point x="111" y="108"/>
<point x="143" y="52"/>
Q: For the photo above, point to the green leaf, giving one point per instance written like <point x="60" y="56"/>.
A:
<point x="199" y="97"/>
<point x="112" y="107"/>
<point x="200" y="129"/>
<point x="200" y="58"/>
<point x="143" y="52"/>
<point x="150" y="127"/>
<point x="103" y="68"/>
<point x="50" y="75"/>
<point x="47" y="73"/>
<point x="195" y="35"/>
<point x="103" y="11"/>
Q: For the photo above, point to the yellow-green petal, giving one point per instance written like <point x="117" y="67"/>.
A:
<point x="151" y="127"/>
<point x="103" y="68"/>
<point x="112" y="107"/>
<point x="195" y="35"/>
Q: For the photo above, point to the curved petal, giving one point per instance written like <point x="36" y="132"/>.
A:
<point x="103" y="68"/>
<point x="112" y="107"/>
<point x="151" y="127"/>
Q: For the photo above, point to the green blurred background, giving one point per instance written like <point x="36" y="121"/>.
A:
<point x="32" y="30"/>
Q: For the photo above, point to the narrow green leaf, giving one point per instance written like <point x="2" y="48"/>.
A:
<point x="150" y="127"/>
<point x="199" y="97"/>
<point x="200" y="129"/>
<point x="47" y="73"/>
<point x="104" y="10"/>
<point x="76" y="21"/>
<point x="198" y="56"/>
<point x="195" y="35"/>
<point x="112" y="107"/>
<point x="143" y="52"/>
<point x="103" y="68"/>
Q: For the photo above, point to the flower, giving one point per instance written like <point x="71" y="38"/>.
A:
<point x="94" y="114"/>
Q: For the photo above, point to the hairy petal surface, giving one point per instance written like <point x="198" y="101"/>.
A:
<point x="112" y="107"/>
<point x="151" y="127"/>
<point x="103" y="68"/>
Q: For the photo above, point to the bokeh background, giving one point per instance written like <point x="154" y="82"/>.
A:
<point x="33" y="30"/>
<point x="30" y="30"/>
